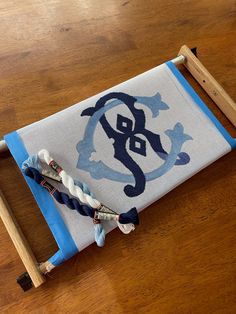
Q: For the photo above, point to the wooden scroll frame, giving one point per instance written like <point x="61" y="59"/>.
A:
<point x="208" y="83"/>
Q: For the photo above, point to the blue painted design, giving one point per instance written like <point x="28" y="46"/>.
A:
<point x="123" y="124"/>
<point x="137" y="145"/>
<point x="67" y="246"/>
<point x="130" y="131"/>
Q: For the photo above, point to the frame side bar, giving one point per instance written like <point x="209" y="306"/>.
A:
<point x="225" y="103"/>
<point x="20" y="242"/>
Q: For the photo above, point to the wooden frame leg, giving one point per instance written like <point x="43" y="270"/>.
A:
<point x="35" y="271"/>
<point x="20" y="243"/>
<point x="209" y="84"/>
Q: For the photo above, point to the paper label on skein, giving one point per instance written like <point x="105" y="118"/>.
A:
<point x="47" y="186"/>
<point x="105" y="216"/>
<point x="54" y="165"/>
<point x="51" y="175"/>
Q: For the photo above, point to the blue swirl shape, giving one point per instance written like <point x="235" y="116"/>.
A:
<point x="99" y="170"/>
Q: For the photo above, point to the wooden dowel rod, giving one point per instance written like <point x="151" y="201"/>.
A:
<point x="3" y="146"/>
<point x="209" y="84"/>
<point x="46" y="267"/>
<point x="20" y="243"/>
<point x="178" y="60"/>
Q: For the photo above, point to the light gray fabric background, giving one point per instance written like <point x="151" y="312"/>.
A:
<point x="61" y="132"/>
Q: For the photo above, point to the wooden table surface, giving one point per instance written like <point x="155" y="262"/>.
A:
<point x="182" y="258"/>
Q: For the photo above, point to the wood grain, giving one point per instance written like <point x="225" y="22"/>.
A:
<point x="182" y="258"/>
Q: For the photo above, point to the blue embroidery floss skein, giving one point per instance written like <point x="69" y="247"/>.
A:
<point x="71" y="203"/>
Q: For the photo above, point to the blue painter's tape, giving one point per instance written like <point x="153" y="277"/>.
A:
<point x="201" y="104"/>
<point x="66" y="244"/>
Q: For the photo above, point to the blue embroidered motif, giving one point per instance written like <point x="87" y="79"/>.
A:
<point x="129" y="131"/>
<point x="123" y="124"/>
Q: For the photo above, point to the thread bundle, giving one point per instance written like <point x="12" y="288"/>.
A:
<point x="89" y="207"/>
<point x="131" y="217"/>
<point x="74" y="204"/>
